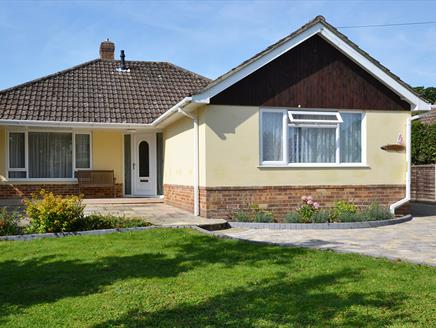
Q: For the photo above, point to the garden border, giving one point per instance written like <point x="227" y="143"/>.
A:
<point x="321" y="226"/>
<point x="86" y="232"/>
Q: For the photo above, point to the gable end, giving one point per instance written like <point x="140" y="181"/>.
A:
<point x="314" y="74"/>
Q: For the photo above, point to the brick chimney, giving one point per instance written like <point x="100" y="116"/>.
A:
<point x="107" y="50"/>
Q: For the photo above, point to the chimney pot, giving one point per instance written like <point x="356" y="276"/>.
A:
<point x="107" y="50"/>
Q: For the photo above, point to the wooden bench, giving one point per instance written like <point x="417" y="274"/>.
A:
<point x="96" y="179"/>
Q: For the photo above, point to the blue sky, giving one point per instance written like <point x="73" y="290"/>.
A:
<point x="42" y="37"/>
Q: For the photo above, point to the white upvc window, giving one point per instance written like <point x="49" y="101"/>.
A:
<point x="47" y="154"/>
<point x="312" y="138"/>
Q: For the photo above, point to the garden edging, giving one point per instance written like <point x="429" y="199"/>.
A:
<point x="321" y="226"/>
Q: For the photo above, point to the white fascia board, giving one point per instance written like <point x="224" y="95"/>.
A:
<point x="171" y="111"/>
<point x="416" y="102"/>
<point x="255" y="65"/>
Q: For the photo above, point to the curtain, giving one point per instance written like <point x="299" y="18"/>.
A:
<point x="272" y="133"/>
<point x="350" y="138"/>
<point x="83" y="150"/>
<point x="50" y="155"/>
<point x="16" y="150"/>
<point x="311" y="145"/>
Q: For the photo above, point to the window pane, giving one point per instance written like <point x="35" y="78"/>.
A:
<point x="144" y="160"/>
<point x="312" y="145"/>
<point x="50" y="155"/>
<point x="17" y="174"/>
<point x="16" y="150"/>
<point x="83" y="151"/>
<point x="320" y="117"/>
<point x="351" y="138"/>
<point x="272" y="134"/>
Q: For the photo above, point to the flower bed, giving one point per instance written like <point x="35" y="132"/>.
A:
<point x="49" y="213"/>
<point x="310" y="212"/>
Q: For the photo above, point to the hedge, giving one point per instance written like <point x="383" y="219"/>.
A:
<point x="423" y="143"/>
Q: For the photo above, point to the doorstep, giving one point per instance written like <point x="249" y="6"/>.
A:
<point x="123" y="201"/>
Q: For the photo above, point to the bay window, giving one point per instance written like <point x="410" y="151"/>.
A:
<point x="299" y="138"/>
<point x="47" y="155"/>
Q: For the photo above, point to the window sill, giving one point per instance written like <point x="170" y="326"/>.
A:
<point x="315" y="165"/>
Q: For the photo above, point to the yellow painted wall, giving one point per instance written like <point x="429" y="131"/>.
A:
<point x="179" y="152"/>
<point x="232" y="157"/>
<point x="107" y="152"/>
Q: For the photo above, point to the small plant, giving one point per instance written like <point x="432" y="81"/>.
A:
<point x="377" y="212"/>
<point x="254" y="214"/>
<point x="321" y="216"/>
<point x="344" y="210"/>
<point x="242" y="216"/>
<point x="263" y="217"/>
<point x="292" y="217"/>
<point x="53" y="213"/>
<point x="307" y="209"/>
<point x="9" y="223"/>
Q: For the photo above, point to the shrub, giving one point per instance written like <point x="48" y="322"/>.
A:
<point x="376" y="212"/>
<point x="9" y="223"/>
<point x="263" y="217"/>
<point x="53" y="213"/>
<point x="322" y="216"/>
<point x="98" y="221"/>
<point x="254" y="214"/>
<point x="423" y="143"/>
<point x="344" y="210"/>
<point x="308" y="209"/>
<point x="292" y="217"/>
<point x="242" y="216"/>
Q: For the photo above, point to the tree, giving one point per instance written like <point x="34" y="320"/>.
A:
<point x="428" y="93"/>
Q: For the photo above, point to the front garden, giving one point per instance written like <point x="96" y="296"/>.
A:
<point x="47" y="212"/>
<point x="181" y="278"/>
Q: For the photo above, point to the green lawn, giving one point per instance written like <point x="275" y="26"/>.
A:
<point x="181" y="278"/>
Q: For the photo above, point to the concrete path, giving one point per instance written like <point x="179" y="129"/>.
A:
<point x="413" y="241"/>
<point x="154" y="212"/>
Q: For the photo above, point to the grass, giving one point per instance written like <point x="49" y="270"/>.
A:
<point x="181" y="278"/>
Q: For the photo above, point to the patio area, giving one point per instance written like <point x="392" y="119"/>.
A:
<point x="152" y="210"/>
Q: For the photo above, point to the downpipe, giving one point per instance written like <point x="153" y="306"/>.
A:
<point x="406" y="199"/>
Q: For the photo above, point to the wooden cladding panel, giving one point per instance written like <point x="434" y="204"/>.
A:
<point x="312" y="75"/>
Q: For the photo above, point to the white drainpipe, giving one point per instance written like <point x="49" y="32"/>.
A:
<point x="406" y="199"/>
<point x="196" y="166"/>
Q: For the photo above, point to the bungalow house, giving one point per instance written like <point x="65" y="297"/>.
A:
<point x="309" y="115"/>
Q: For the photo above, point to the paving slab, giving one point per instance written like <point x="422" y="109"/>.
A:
<point x="156" y="213"/>
<point x="413" y="241"/>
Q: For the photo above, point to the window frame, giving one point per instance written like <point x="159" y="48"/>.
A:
<point x="287" y="112"/>
<point x="26" y="154"/>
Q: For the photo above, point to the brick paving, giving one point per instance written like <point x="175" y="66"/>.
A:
<point x="413" y="241"/>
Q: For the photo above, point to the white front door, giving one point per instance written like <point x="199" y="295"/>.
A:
<point x="144" y="164"/>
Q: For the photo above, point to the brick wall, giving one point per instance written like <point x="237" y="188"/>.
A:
<point x="423" y="183"/>
<point x="25" y="190"/>
<point x="222" y="202"/>
<point x="179" y="196"/>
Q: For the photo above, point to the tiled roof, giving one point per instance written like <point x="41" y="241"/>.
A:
<point x="96" y="92"/>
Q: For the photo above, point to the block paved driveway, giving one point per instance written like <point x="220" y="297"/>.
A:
<point x="413" y="241"/>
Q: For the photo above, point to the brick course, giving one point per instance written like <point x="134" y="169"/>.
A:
<point x="222" y="202"/>
<point x="8" y="190"/>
